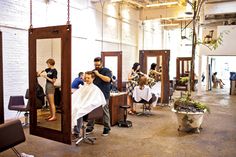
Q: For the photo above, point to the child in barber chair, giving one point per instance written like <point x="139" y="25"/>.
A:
<point x="143" y="93"/>
<point x="84" y="100"/>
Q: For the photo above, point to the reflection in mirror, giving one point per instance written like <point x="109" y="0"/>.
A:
<point x="49" y="81"/>
<point x="150" y="60"/>
<point x="180" y="68"/>
<point x="111" y="62"/>
<point x="160" y="60"/>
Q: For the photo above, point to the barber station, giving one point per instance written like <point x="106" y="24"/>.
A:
<point x="117" y="78"/>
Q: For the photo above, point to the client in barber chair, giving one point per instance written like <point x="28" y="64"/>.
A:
<point x="143" y="93"/>
<point x="84" y="100"/>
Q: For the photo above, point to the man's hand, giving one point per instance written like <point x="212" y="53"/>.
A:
<point x="96" y="72"/>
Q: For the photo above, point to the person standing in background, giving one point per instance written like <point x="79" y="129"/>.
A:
<point x="51" y="76"/>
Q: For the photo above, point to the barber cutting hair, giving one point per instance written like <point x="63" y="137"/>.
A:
<point x="103" y="81"/>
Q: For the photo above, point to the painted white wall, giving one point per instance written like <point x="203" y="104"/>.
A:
<point x="120" y="32"/>
<point x="220" y="8"/>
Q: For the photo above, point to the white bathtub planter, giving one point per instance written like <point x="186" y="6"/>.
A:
<point x="189" y="114"/>
<point x="189" y="121"/>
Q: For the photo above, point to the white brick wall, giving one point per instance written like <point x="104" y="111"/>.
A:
<point x="86" y="37"/>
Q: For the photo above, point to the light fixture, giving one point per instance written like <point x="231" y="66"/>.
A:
<point x="169" y="24"/>
<point x="161" y="4"/>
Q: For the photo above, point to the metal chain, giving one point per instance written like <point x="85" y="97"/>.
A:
<point x="68" y="12"/>
<point x="31" y="25"/>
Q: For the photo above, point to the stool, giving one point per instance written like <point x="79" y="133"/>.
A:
<point x="125" y="123"/>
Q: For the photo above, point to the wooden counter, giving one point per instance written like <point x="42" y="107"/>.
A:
<point x="115" y="101"/>
<point x="116" y="114"/>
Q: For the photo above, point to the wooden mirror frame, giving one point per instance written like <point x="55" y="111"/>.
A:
<point x="63" y="32"/>
<point x="119" y="66"/>
<point x="143" y="54"/>
<point x="1" y="84"/>
<point x="180" y="60"/>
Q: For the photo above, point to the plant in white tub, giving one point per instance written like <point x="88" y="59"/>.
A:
<point x="189" y="113"/>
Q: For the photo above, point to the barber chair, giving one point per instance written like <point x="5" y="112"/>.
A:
<point x="16" y="103"/>
<point x="95" y="114"/>
<point x="11" y="134"/>
<point x="141" y="96"/>
<point x="146" y="107"/>
<point x="125" y="122"/>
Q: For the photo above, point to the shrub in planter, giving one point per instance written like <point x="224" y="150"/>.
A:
<point x="189" y="113"/>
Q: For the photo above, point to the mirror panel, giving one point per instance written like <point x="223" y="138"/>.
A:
<point x="183" y="66"/>
<point x="113" y="61"/>
<point x="162" y="58"/>
<point x="45" y="49"/>
<point x="150" y="60"/>
<point x="44" y="43"/>
<point x="1" y="83"/>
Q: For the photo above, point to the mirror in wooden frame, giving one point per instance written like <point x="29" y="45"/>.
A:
<point x="50" y="43"/>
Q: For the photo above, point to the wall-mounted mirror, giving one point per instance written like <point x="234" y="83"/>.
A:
<point x="1" y="84"/>
<point x="183" y="67"/>
<point x="49" y="82"/>
<point x="49" y="49"/>
<point x="161" y="58"/>
<point x="113" y="61"/>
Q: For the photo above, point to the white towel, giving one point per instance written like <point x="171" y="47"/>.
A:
<point x="139" y="94"/>
<point x="86" y="99"/>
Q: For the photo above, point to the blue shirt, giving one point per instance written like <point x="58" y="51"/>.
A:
<point x="77" y="81"/>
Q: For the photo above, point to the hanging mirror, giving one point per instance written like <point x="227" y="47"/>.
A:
<point x="49" y="49"/>
<point x="1" y="84"/>
<point x="161" y="58"/>
<point x="113" y="61"/>
<point x="49" y="82"/>
<point x="183" y="67"/>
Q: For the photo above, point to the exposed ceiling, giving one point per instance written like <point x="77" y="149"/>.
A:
<point x="174" y="14"/>
<point x="140" y="4"/>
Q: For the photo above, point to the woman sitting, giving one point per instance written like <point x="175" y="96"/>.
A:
<point x="143" y="93"/>
<point x="217" y="81"/>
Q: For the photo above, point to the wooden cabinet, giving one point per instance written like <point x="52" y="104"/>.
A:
<point x="116" y="100"/>
<point x="116" y="114"/>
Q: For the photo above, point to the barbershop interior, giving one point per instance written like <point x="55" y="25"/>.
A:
<point x="116" y="78"/>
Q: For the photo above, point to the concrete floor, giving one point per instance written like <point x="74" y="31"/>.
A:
<point x="153" y="136"/>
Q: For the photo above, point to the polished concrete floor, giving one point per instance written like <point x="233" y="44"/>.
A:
<point x="154" y="136"/>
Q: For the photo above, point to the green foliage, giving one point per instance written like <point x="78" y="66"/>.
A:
<point x="186" y="103"/>
<point x="183" y="80"/>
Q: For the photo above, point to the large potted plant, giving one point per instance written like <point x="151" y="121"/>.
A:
<point x="189" y="113"/>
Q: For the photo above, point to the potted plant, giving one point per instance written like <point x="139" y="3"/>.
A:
<point x="189" y="113"/>
<point x="184" y="80"/>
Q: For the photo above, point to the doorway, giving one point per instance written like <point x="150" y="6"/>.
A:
<point x="223" y="65"/>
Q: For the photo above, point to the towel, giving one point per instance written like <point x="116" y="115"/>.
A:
<point x="86" y="99"/>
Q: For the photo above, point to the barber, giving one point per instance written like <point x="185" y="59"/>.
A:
<point x="103" y="81"/>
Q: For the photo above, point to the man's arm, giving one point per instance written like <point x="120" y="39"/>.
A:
<point x="103" y="77"/>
